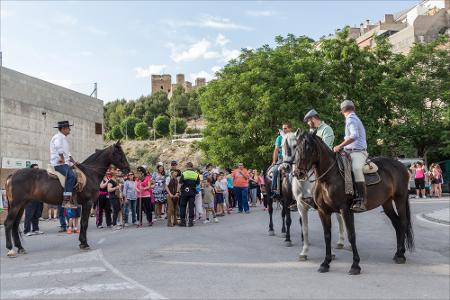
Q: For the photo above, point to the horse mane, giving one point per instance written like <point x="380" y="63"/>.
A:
<point x="93" y="157"/>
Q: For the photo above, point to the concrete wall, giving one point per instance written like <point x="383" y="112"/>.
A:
<point x="30" y="108"/>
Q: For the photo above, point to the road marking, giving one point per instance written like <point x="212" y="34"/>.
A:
<point x="82" y="257"/>
<point x="151" y="294"/>
<point x="276" y="265"/>
<point x="55" y="291"/>
<point x="101" y="241"/>
<point x="52" y="272"/>
<point x="421" y="218"/>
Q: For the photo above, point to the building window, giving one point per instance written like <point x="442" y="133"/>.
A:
<point x="162" y="87"/>
<point x="98" y="128"/>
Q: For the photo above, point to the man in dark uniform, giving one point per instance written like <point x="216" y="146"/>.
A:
<point x="188" y="181"/>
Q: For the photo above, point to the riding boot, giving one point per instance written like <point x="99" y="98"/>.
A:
<point x="359" y="203"/>
<point x="309" y="202"/>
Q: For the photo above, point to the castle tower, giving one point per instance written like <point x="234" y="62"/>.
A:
<point x="199" y="82"/>
<point x="162" y="83"/>
<point x="180" y="79"/>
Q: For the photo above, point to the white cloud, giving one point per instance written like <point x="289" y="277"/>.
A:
<point x="201" y="74"/>
<point x="195" y="51"/>
<point x="260" y="13"/>
<point x="212" y="55"/>
<point x="66" y="20"/>
<point x="208" y="21"/>
<point x="84" y="53"/>
<point x="230" y="54"/>
<point x="221" y="40"/>
<point x="152" y="69"/>
<point x="216" y="69"/>
<point x="96" y="31"/>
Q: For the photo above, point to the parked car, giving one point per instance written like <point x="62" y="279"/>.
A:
<point x="408" y="162"/>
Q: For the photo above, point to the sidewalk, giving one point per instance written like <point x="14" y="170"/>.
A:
<point x="440" y="216"/>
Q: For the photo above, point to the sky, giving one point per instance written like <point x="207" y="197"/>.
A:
<point x="119" y="44"/>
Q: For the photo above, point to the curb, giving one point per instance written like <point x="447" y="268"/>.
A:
<point x="431" y="219"/>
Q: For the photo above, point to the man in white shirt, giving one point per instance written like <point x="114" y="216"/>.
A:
<point x="60" y="159"/>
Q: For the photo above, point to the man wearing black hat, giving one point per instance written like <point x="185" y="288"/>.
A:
<point x="60" y="158"/>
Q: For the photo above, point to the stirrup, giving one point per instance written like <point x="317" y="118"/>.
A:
<point x="359" y="206"/>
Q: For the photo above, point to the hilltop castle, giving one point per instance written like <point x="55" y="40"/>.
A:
<point x="164" y="83"/>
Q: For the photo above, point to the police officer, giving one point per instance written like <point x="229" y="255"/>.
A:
<point x="188" y="181"/>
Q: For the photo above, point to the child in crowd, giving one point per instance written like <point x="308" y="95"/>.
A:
<point x="73" y="214"/>
<point x="208" y="201"/>
<point x="219" y="188"/>
<point x="52" y="211"/>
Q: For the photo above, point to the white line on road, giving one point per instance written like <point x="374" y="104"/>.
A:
<point x="82" y="257"/>
<point x="151" y="294"/>
<point x="52" y="272"/>
<point x="55" y="291"/>
<point x="275" y="265"/>
<point x="101" y="241"/>
<point x="421" y="218"/>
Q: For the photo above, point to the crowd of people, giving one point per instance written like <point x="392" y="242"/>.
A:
<point x="432" y="178"/>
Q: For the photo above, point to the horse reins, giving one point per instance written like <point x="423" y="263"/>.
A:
<point x="326" y="172"/>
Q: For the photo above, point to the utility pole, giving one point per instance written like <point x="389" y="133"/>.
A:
<point x="94" y="92"/>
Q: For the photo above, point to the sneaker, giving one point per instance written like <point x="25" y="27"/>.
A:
<point x="38" y="232"/>
<point x="69" y="230"/>
<point x="206" y="221"/>
<point x="100" y="226"/>
<point x="117" y="227"/>
<point x="216" y="220"/>
<point x="247" y="212"/>
<point x="125" y="225"/>
<point x="29" y="233"/>
<point x="62" y="229"/>
<point x="77" y="230"/>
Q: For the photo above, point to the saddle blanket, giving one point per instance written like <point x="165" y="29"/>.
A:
<point x="81" y="178"/>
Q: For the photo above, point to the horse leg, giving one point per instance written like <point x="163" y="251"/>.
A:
<point x="270" y="209"/>
<point x="350" y="224"/>
<point x="9" y="224"/>
<point x="15" y="232"/>
<point x="325" y="218"/>
<point x="340" y="243"/>
<point x="283" y="218"/>
<point x="304" y="226"/>
<point x="287" y="241"/>
<point x="85" y="212"/>
<point x="395" y="220"/>
<point x="405" y="230"/>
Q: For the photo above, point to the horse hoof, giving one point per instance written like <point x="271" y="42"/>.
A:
<point x="21" y="251"/>
<point x="354" y="271"/>
<point x="399" y="260"/>
<point x="11" y="253"/>
<point x="85" y="247"/>
<point x="288" y="243"/>
<point x="271" y="233"/>
<point x="323" y="269"/>
<point x="339" y="246"/>
<point x="302" y="257"/>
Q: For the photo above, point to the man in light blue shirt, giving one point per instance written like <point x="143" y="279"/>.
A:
<point x="356" y="145"/>
<point x="277" y="159"/>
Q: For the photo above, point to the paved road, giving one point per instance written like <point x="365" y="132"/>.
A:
<point x="233" y="259"/>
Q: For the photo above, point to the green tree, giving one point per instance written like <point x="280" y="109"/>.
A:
<point x="116" y="133"/>
<point x="194" y="109"/>
<point x="127" y="127"/>
<point x="161" y="125"/>
<point x="177" y="126"/>
<point x="141" y="131"/>
<point x="179" y="103"/>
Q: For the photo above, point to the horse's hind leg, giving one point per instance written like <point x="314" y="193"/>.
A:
<point x="9" y="225"/>
<point x="402" y="229"/>
<point x="350" y="224"/>
<point x="85" y="213"/>
<point x="288" y="241"/>
<point x="395" y="220"/>
<point x="15" y="232"/>
<point x="270" y="209"/>
<point x="283" y="220"/>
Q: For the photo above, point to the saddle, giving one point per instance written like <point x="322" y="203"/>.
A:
<point x="80" y="182"/>
<point x="370" y="171"/>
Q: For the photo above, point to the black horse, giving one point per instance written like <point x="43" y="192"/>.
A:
<point x="268" y="199"/>
<point x="28" y="184"/>
<point x="312" y="153"/>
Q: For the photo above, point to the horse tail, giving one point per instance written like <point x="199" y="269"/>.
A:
<point x="409" y="229"/>
<point x="8" y="188"/>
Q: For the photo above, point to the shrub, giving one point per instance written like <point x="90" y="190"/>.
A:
<point x="141" y="131"/>
<point x="127" y="127"/>
<point x="161" y="125"/>
<point x="177" y="126"/>
<point x="116" y="133"/>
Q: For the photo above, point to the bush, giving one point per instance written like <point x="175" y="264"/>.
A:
<point x="141" y="131"/>
<point x="116" y="133"/>
<point x="127" y="127"/>
<point x="177" y="126"/>
<point x="191" y="130"/>
<point x="161" y="125"/>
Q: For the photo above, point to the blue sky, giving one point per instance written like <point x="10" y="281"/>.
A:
<point x="119" y="44"/>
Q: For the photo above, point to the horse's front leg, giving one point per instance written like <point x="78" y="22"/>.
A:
<point x="340" y="243"/>
<point x="304" y="227"/>
<point x="85" y="213"/>
<point x="283" y="220"/>
<point x="326" y="224"/>
<point x="288" y="241"/>
<point x="347" y="214"/>
<point x="270" y="209"/>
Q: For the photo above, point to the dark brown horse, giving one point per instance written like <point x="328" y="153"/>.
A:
<point x="312" y="153"/>
<point x="29" y="184"/>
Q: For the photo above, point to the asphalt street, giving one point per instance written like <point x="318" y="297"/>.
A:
<point x="234" y="259"/>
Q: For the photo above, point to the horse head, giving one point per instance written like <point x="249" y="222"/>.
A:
<point x="118" y="157"/>
<point x="307" y="154"/>
<point x="288" y="146"/>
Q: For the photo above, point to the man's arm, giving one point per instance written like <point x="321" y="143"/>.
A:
<point x="328" y="137"/>
<point x="275" y="155"/>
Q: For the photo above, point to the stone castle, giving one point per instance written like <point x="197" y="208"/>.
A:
<point x="164" y="83"/>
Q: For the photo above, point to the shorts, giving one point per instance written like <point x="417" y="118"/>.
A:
<point x="420" y="183"/>
<point x="219" y="198"/>
<point x="208" y="206"/>
<point x="436" y="181"/>
<point x="73" y="212"/>
<point x="52" y="206"/>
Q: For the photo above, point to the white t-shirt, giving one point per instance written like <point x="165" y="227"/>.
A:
<point x="59" y="145"/>
<point x="222" y="184"/>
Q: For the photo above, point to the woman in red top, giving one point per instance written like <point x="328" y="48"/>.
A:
<point x="144" y="194"/>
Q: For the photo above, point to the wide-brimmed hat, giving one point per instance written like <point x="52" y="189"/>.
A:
<point x="63" y="124"/>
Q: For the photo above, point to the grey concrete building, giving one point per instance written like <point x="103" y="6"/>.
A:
<point x="30" y="108"/>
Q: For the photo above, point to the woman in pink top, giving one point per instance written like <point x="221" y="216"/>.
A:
<point x="144" y="194"/>
<point x="419" y="178"/>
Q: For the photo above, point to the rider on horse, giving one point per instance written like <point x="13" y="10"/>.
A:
<point x="277" y="159"/>
<point x="60" y="158"/>
<point x="355" y="145"/>
<point x="323" y="130"/>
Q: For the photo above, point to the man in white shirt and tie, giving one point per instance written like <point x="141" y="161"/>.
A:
<point x="60" y="158"/>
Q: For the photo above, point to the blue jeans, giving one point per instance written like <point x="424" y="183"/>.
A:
<point x="131" y="204"/>
<point x="241" y="195"/>
<point x="275" y="173"/>
<point x="70" y="178"/>
<point x="62" y="219"/>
